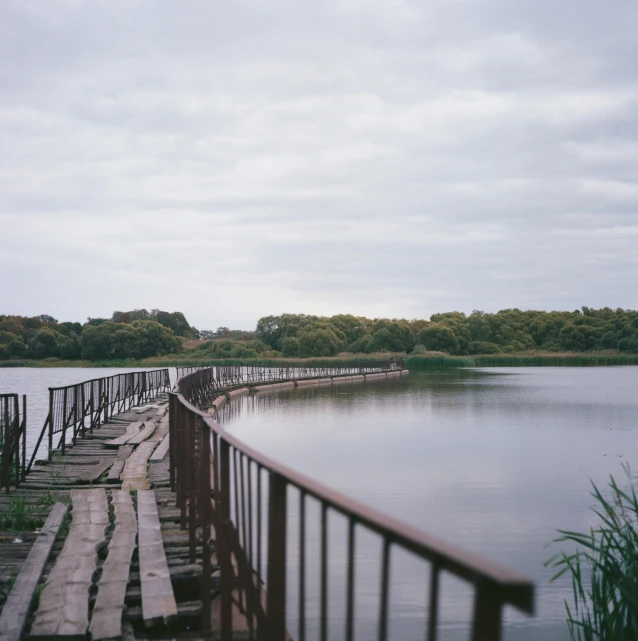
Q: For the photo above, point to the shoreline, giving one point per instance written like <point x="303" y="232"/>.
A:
<point x="415" y="362"/>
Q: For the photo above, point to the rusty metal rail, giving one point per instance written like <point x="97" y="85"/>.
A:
<point x="239" y="500"/>
<point x="82" y="407"/>
<point x="224" y="377"/>
<point x="12" y="440"/>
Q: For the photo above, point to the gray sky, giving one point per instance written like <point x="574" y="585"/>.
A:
<point x="383" y="158"/>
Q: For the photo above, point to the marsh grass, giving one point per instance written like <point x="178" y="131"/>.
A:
<point x="564" y="359"/>
<point x="21" y="516"/>
<point x="603" y="569"/>
<point x="437" y="360"/>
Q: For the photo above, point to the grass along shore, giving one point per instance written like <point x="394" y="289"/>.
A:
<point x="429" y="360"/>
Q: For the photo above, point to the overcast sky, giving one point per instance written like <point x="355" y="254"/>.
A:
<point x="384" y="158"/>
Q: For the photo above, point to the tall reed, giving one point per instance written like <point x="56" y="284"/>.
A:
<point x="604" y="569"/>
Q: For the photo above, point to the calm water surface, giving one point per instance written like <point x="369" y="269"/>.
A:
<point x="493" y="460"/>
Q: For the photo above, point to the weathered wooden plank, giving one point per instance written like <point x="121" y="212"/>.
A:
<point x="106" y="622"/>
<point x="158" y="600"/>
<point x="16" y="608"/>
<point x="123" y="453"/>
<point x="146" y="408"/>
<point x="94" y="472"/>
<point x="64" y="602"/>
<point x="134" y="473"/>
<point x="149" y="428"/>
<point x="131" y="431"/>
<point x="116" y="471"/>
<point x="161" y="450"/>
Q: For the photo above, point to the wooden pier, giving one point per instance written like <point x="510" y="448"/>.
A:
<point x="110" y="561"/>
<point x="153" y="524"/>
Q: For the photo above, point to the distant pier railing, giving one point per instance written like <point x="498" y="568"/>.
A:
<point x="77" y="409"/>
<point x="240" y="499"/>
<point x="225" y="377"/>
<point x="13" y="421"/>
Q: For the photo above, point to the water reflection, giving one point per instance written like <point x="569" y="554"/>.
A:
<point x="493" y="460"/>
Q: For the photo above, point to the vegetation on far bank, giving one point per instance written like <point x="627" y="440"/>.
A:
<point x="427" y="360"/>
<point x="603" y="568"/>
<point x="507" y="338"/>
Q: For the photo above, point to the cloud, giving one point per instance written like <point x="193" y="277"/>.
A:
<point x="382" y="158"/>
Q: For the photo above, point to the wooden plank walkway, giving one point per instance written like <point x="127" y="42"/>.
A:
<point x="16" y="608"/>
<point x="64" y="604"/>
<point x="158" y="587"/>
<point x="106" y="622"/>
<point x="158" y="601"/>
<point x="131" y="432"/>
<point x="122" y="455"/>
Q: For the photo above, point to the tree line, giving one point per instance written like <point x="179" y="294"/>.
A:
<point x="507" y="331"/>
<point x="135" y="334"/>
<point x="141" y="334"/>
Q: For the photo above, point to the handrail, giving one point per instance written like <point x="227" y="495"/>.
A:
<point x="12" y="440"/>
<point x="84" y="406"/>
<point x="206" y="460"/>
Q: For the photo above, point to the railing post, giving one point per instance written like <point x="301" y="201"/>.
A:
<point x="276" y="583"/>
<point x="64" y="420"/>
<point x="107" y="399"/>
<point x="205" y="521"/>
<point x="222" y="543"/>
<point x="486" y="622"/>
<point x="191" y="471"/>
<point x="23" y="430"/>
<point x="16" y="439"/>
<point x="5" y="432"/>
<point x="75" y="414"/>
<point x="172" y="437"/>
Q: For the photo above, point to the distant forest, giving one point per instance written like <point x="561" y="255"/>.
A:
<point x="141" y="334"/>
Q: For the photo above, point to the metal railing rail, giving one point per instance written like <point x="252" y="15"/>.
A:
<point x="238" y="499"/>
<point x="250" y="374"/>
<point x="219" y="378"/>
<point x="12" y="440"/>
<point x="82" y="407"/>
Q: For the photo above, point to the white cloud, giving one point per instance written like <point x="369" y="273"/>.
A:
<point x="387" y="158"/>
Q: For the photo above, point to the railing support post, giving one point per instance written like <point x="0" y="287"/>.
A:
<point x="223" y="545"/>
<point x="276" y="583"/>
<point x="486" y="624"/>
<point x="205" y="519"/>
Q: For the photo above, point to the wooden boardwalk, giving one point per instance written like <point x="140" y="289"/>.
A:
<point x="111" y="561"/>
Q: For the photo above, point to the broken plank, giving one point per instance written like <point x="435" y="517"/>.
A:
<point x="131" y="431"/>
<point x="106" y="622"/>
<point x="143" y="434"/>
<point x="134" y="473"/>
<point x="161" y="450"/>
<point x="64" y="602"/>
<point x="123" y="454"/>
<point x="94" y="472"/>
<point x="16" y="608"/>
<point x="158" y="600"/>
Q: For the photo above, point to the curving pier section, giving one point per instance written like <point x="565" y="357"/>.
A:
<point x="160" y="524"/>
<point x="237" y="501"/>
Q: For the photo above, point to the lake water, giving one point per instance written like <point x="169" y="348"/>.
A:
<point x="493" y="460"/>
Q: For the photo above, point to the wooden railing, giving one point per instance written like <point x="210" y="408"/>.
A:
<point x="82" y="407"/>
<point x="12" y="440"/>
<point x="238" y="500"/>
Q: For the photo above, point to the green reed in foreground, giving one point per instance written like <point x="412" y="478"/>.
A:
<point x="604" y="570"/>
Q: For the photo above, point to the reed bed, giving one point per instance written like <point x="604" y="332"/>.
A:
<point x="603" y="569"/>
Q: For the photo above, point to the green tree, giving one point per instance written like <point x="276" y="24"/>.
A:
<point x="439" y="337"/>
<point x="320" y="339"/>
<point x="394" y="337"/>
<point x="44" y="344"/>
<point x="290" y="346"/>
